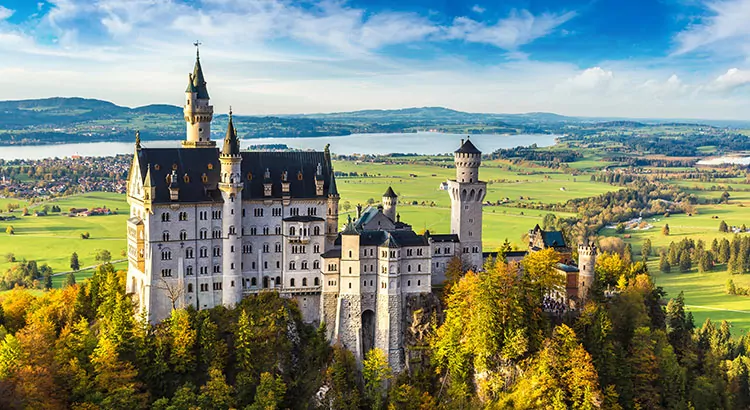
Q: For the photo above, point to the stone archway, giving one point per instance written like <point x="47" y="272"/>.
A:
<point x="368" y="331"/>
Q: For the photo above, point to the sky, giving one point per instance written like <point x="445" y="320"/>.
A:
<point x="613" y="58"/>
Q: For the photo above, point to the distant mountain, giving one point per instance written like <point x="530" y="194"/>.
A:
<point x="440" y="115"/>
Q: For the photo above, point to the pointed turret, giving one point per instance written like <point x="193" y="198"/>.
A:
<point x="138" y="140"/>
<point x="231" y="142"/>
<point x="174" y="186"/>
<point x="390" y="199"/>
<point x="199" y="82"/>
<point x="198" y="111"/>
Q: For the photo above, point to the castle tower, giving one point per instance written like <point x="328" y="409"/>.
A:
<point x="388" y="333"/>
<point x="349" y="309"/>
<point x="586" y="269"/>
<point x="231" y="191"/>
<point x="332" y="213"/>
<point x="467" y="193"/>
<point x="390" y="199"/>
<point x="198" y="111"/>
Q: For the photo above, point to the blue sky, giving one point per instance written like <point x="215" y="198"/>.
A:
<point x="636" y="58"/>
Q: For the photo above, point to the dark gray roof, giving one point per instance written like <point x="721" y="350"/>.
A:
<point x="389" y="193"/>
<point x="231" y="142"/>
<point x="468" y="148"/>
<point x="332" y="253"/>
<point x="396" y="239"/>
<point x="255" y="163"/>
<point x="445" y="238"/>
<point x="197" y="162"/>
<point x="193" y="162"/>
<point x="199" y="82"/>
<point x="303" y="218"/>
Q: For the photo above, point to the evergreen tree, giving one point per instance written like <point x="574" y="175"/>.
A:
<point x="74" y="263"/>
<point x="723" y="227"/>
<point x="715" y="246"/>
<point x="376" y="373"/>
<point x="628" y="254"/>
<point x="70" y="279"/>
<point x="646" y="249"/>
<point x="665" y="230"/>
<point x="48" y="280"/>
<point x="724" y="251"/>
<point x="731" y="288"/>
<point x="685" y="263"/>
<point x="270" y="393"/>
<point x="664" y="264"/>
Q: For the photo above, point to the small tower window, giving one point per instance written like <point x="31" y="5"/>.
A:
<point x="249" y="176"/>
<point x="174" y="167"/>
<point x="204" y="178"/>
<point x="186" y="178"/>
<point x="210" y="166"/>
<point x="299" y="176"/>
<point x="157" y="167"/>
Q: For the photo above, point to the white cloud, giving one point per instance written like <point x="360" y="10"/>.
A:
<point x="594" y="78"/>
<point x="726" y="22"/>
<point x="478" y="9"/>
<point x="734" y="78"/>
<point x="5" y="13"/>
<point x="519" y="28"/>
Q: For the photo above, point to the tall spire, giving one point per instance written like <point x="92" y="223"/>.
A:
<point x="199" y="82"/>
<point x="231" y="142"/>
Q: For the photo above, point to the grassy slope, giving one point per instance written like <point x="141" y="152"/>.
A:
<point x="53" y="238"/>
<point x="704" y="292"/>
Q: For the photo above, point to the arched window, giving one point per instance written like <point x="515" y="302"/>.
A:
<point x="278" y="281"/>
<point x="265" y="282"/>
<point x="316" y="230"/>
<point x="189" y="271"/>
<point x="291" y="282"/>
<point x="316" y="282"/>
<point x="165" y="236"/>
<point x="304" y="281"/>
<point x="190" y="288"/>
<point x="292" y="231"/>
<point x="253" y="282"/>
<point x="350" y="269"/>
<point x="183" y="235"/>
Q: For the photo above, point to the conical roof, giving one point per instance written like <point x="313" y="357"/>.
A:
<point x="231" y="142"/>
<point x="468" y="148"/>
<point x="389" y="193"/>
<point x="199" y="82"/>
<point x="332" y="189"/>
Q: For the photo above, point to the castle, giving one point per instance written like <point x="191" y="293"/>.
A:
<point x="209" y="226"/>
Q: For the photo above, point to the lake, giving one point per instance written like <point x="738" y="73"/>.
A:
<point x="725" y="160"/>
<point x="419" y="143"/>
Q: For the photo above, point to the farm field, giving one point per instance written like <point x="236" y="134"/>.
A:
<point x="52" y="239"/>
<point x="704" y="292"/>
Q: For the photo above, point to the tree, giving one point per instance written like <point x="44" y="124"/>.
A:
<point x="646" y="249"/>
<point x="685" y="262"/>
<point x="70" y="279"/>
<point x="724" y="251"/>
<point x="664" y="264"/>
<point x="74" y="263"/>
<point x="665" y="230"/>
<point x="103" y="256"/>
<point x="370" y="201"/>
<point x="620" y="228"/>
<point x="725" y="197"/>
<point x="270" y="393"/>
<point x="346" y="206"/>
<point x="376" y="372"/>
<point x="344" y="392"/>
<point x="216" y="394"/>
<point x="723" y="227"/>
<point x="10" y="230"/>
<point x="48" y="279"/>
<point x="731" y="288"/>
<point x="173" y="289"/>
<point x="10" y="257"/>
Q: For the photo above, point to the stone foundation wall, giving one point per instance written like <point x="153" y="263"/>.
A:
<point x="328" y="302"/>
<point x="350" y="323"/>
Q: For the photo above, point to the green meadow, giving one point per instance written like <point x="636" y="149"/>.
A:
<point x="704" y="292"/>
<point x="52" y="239"/>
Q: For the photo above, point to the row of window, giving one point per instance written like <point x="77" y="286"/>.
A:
<point x="216" y="233"/>
<point x="257" y="212"/>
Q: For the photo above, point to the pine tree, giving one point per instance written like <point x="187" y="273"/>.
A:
<point x="270" y="393"/>
<point x="724" y="251"/>
<point x="715" y="246"/>
<point x="665" y="230"/>
<point x="74" y="263"/>
<point x="48" y="280"/>
<point x="646" y="249"/>
<point x="628" y="254"/>
<point x="664" y="265"/>
<point x="685" y="263"/>
<point x="70" y="279"/>
<point x="723" y="227"/>
<point x="376" y="373"/>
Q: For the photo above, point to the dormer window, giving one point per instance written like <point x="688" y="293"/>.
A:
<point x="210" y="166"/>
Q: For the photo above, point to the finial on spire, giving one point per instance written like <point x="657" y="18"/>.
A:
<point x="197" y="45"/>
<point x="138" y="139"/>
<point x="230" y="111"/>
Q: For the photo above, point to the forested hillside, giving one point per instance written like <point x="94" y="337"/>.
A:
<point x="497" y="345"/>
